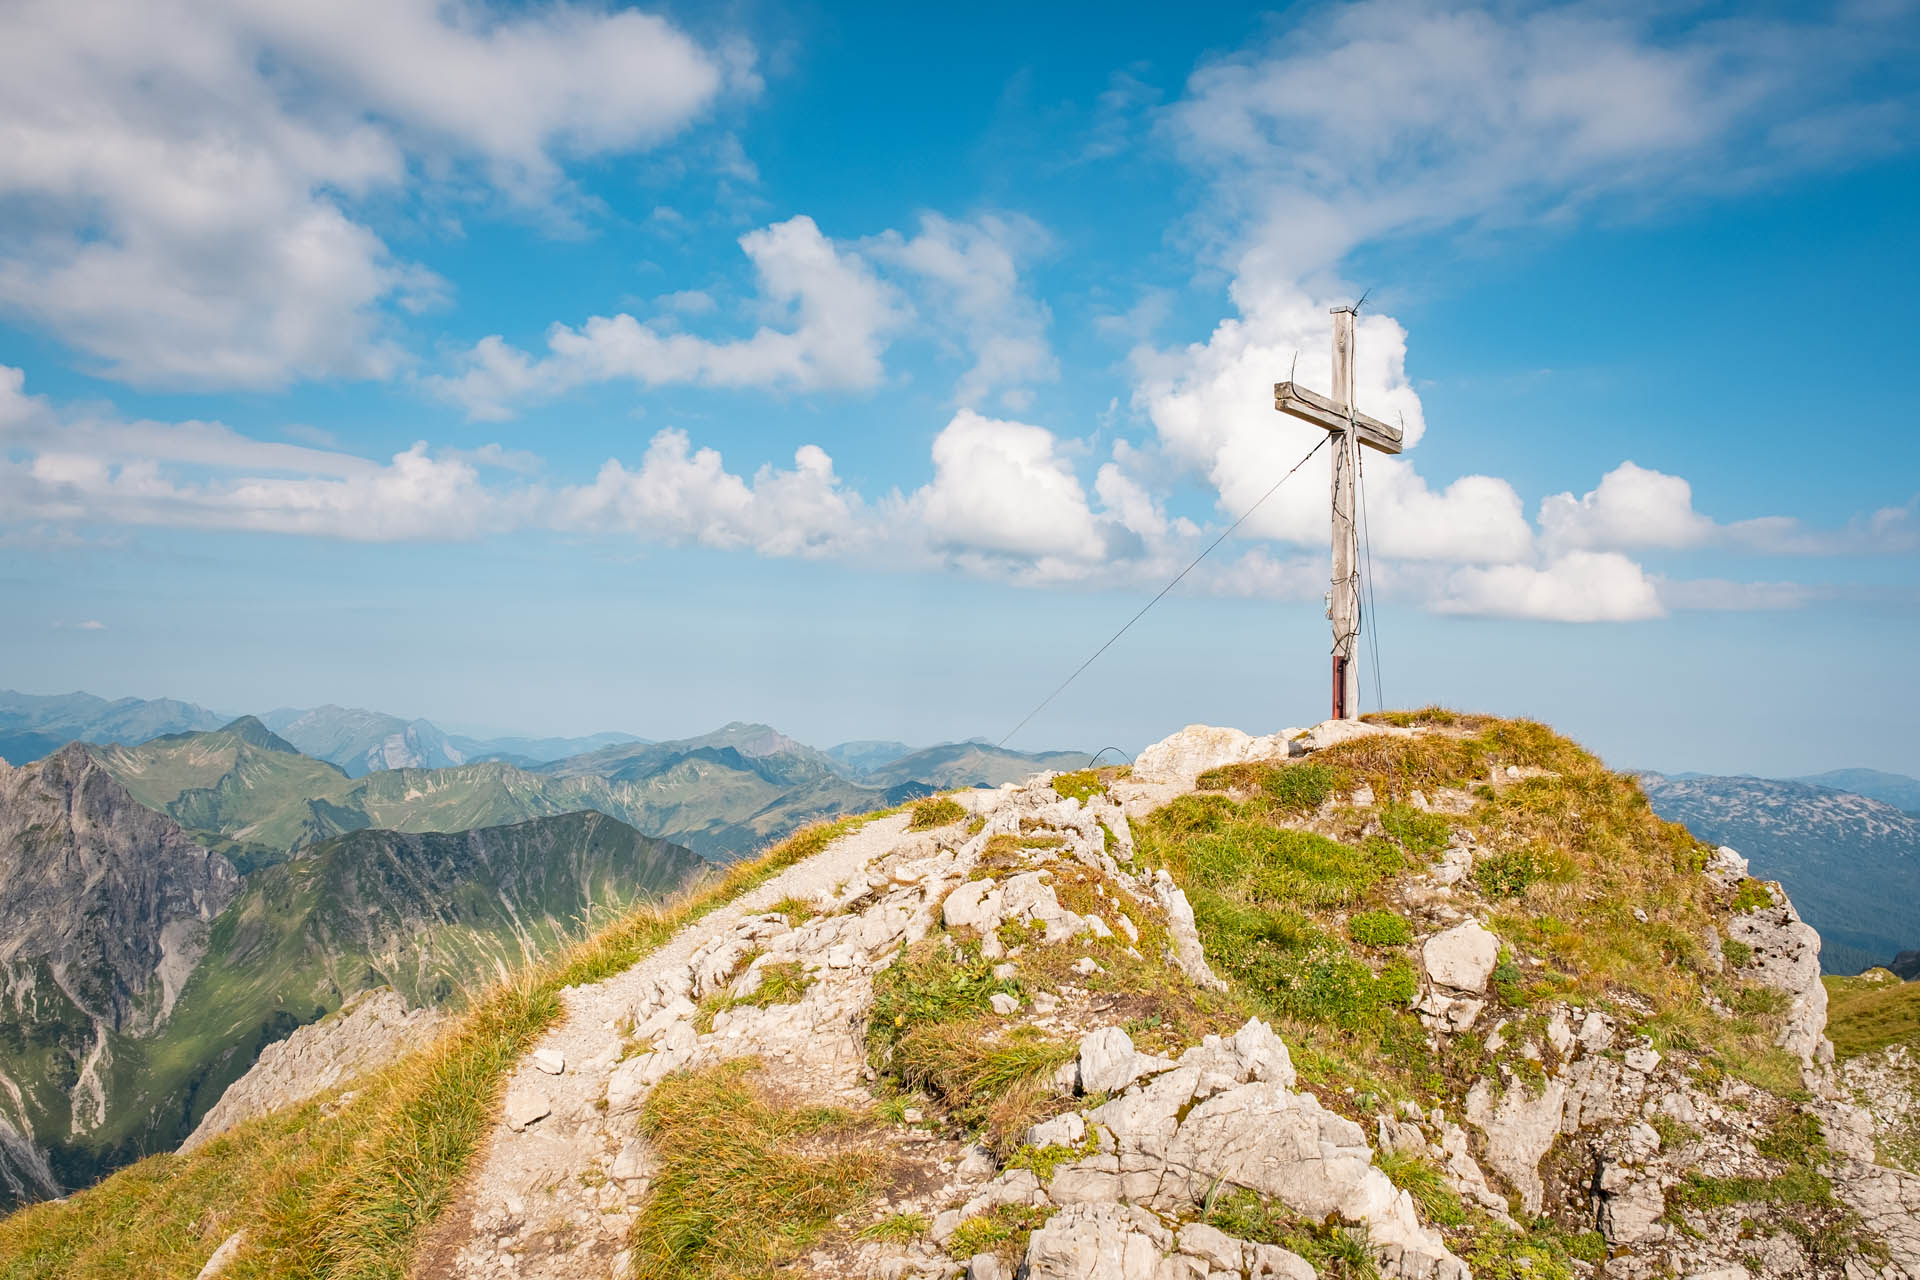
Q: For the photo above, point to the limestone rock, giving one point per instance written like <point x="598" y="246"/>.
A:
<point x="1462" y="957"/>
<point x="1628" y="1204"/>
<point x="525" y="1106"/>
<point x="1184" y="756"/>
<point x="1109" y="1062"/>
<point x="1187" y="951"/>
<point x="223" y="1256"/>
<point x="1331" y="733"/>
<point x="1786" y="956"/>
<point x="1097" y="1242"/>
<point x="1519" y="1129"/>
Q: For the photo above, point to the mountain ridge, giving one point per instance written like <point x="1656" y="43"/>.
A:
<point x="1851" y="862"/>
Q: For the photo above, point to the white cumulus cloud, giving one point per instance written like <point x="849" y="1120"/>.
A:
<point x="829" y="316"/>
<point x="1003" y="488"/>
<point x="181" y="180"/>
<point x="1580" y="586"/>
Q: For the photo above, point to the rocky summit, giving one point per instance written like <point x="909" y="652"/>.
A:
<point x="1431" y="999"/>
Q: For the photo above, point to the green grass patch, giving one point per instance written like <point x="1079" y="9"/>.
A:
<point x="935" y="811"/>
<point x="1337" y="1251"/>
<point x="1751" y="895"/>
<point x="1002" y="1231"/>
<point x="932" y="1030"/>
<point x="1082" y="785"/>
<point x="1279" y="788"/>
<point x="745" y="1185"/>
<point x="896" y="1228"/>
<point x="1871" y="1012"/>
<point x="782" y="982"/>
<point x="1380" y="929"/>
<point x="1421" y="1179"/>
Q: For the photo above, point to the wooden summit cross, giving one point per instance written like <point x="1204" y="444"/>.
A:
<point x="1350" y="429"/>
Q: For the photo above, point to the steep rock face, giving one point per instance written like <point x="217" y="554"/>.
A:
<point x="100" y="887"/>
<point x="104" y="914"/>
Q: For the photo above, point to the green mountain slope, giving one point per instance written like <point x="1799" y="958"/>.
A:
<point x="429" y="914"/>
<point x="246" y="789"/>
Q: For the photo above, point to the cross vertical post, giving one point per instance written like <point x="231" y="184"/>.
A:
<point x="1343" y="601"/>
<point x="1340" y="418"/>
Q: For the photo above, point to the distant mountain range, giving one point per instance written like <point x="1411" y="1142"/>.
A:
<point x="1850" y="862"/>
<point x="361" y="742"/>
<point x="141" y="972"/>
<point x="1895" y="789"/>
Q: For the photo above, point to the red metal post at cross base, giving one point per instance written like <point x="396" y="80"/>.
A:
<point x="1340" y="664"/>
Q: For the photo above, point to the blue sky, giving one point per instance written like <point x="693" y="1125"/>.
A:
<point x="860" y="369"/>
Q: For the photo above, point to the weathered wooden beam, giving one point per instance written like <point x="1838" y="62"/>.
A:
<point x="1311" y="406"/>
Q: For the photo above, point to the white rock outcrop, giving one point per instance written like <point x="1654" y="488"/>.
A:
<point x="1182" y="757"/>
<point x="1786" y="956"/>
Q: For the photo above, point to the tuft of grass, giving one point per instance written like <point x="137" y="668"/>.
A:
<point x="1044" y="1161"/>
<point x="1380" y="929"/>
<point x="1431" y="717"/>
<point x="933" y="1030"/>
<point x="1082" y="785"/>
<point x="348" y="1191"/>
<point x="1337" y="1251"/>
<point x="1497" y="1253"/>
<point x="1285" y="788"/>
<point x="1508" y="873"/>
<point x="1002" y="1231"/>
<point x="782" y="982"/>
<point x="797" y="910"/>
<point x="746" y="1185"/>
<point x="897" y="1228"/>
<point x="1751" y="895"/>
<point x="1419" y="1178"/>
<point x="935" y="811"/>
<point x="1736" y="953"/>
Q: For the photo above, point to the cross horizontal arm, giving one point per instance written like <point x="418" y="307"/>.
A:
<point x="1313" y="407"/>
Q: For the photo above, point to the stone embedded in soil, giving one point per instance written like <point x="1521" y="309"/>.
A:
<point x="1462" y="957"/>
<point x="526" y="1106"/>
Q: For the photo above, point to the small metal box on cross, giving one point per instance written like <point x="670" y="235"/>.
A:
<point x="1349" y="429"/>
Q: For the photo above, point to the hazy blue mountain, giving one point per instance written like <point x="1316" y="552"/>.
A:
<point x="1895" y="789"/>
<point x="1850" y="863"/>
<point x="760" y="748"/>
<point x="35" y="725"/>
<point x="532" y="751"/>
<point x="972" y="764"/>
<point x="863" y="757"/>
<point x="363" y="742"/>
